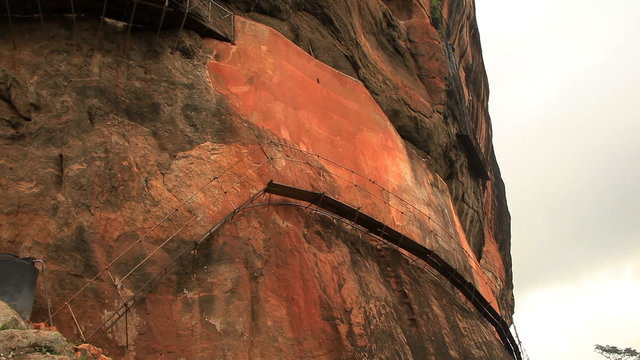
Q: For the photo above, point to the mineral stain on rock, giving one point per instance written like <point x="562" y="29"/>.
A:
<point x="105" y="151"/>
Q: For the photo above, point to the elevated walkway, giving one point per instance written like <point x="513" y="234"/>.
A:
<point x="205" y="17"/>
<point x="381" y="230"/>
<point x="133" y="274"/>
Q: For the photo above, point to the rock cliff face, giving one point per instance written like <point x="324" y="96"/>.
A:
<point x="430" y="82"/>
<point x="114" y="143"/>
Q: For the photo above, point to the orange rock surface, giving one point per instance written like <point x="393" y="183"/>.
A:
<point x="141" y="153"/>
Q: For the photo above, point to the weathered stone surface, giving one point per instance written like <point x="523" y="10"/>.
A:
<point x="41" y="357"/>
<point x="117" y="140"/>
<point x="429" y="81"/>
<point x="22" y="342"/>
<point x="321" y="122"/>
<point x="9" y="318"/>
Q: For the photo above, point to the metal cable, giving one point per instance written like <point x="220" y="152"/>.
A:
<point x="155" y="226"/>
<point x="481" y="275"/>
<point x="493" y="317"/>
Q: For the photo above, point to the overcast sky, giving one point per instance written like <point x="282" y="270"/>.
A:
<point x="565" y="105"/>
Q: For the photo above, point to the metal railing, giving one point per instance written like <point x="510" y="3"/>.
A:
<point x="211" y="14"/>
<point x="416" y="219"/>
<point x="205" y="16"/>
<point x="134" y="269"/>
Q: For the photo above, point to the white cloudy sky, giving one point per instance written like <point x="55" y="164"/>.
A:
<point x="565" y="106"/>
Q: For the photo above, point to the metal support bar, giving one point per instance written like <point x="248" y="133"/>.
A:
<point x="115" y="283"/>
<point x="104" y="13"/>
<point x="158" y="248"/>
<point x="233" y="29"/>
<point x="126" y="325"/>
<point x="73" y="12"/>
<point x="225" y="193"/>
<point x="40" y="14"/>
<point x="133" y="14"/>
<point x="184" y="20"/>
<point x="164" y="11"/>
<point x="46" y="290"/>
<point x="76" y="322"/>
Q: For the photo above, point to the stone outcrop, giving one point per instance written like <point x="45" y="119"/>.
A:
<point x="9" y="319"/>
<point x="20" y="343"/>
<point x="20" y="340"/>
<point x="101" y="142"/>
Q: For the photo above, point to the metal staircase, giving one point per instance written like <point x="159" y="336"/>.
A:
<point x="142" y="272"/>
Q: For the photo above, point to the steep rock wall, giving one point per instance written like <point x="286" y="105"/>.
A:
<point x="429" y="81"/>
<point x="100" y="144"/>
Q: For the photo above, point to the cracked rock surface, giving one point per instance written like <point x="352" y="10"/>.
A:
<point x="99" y="144"/>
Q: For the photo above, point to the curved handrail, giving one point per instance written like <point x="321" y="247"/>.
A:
<point x="470" y="256"/>
<point x="403" y="241"/>
<point x="457" y="280"/>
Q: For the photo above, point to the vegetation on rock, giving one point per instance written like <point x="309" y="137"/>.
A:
<point x="616" y="353"/>
<point x="436" y="13"/>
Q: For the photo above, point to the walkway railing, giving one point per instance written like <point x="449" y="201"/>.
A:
<point x="134" y="267"/>
<point x="211" y="13"/>
<point x="206" y="17"/>
<point x="411" y="219"/>
<point x="137" y="268"/>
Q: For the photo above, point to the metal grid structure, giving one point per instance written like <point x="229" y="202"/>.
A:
<point x="205" y="17"/>
<point x="211" y="13"/>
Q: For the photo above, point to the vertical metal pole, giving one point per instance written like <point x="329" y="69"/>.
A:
<point x="104" y="13"/>
<point x="233" y="29"/>
<point x="133" y="14"/>
<point x="225" y="193"/>
<point x="13" y="37"/>
<point x="76" y="322"/>
<point x="115" y="283"/>
<point x="126" y="324"/>
<point x="311" y="50"/>
<point x="73" y="12"/>
<point x="184" y="19"/>
<point x="164" y="11"/>
<point x="40" y="13"/>
<point x="46" y="291"/>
